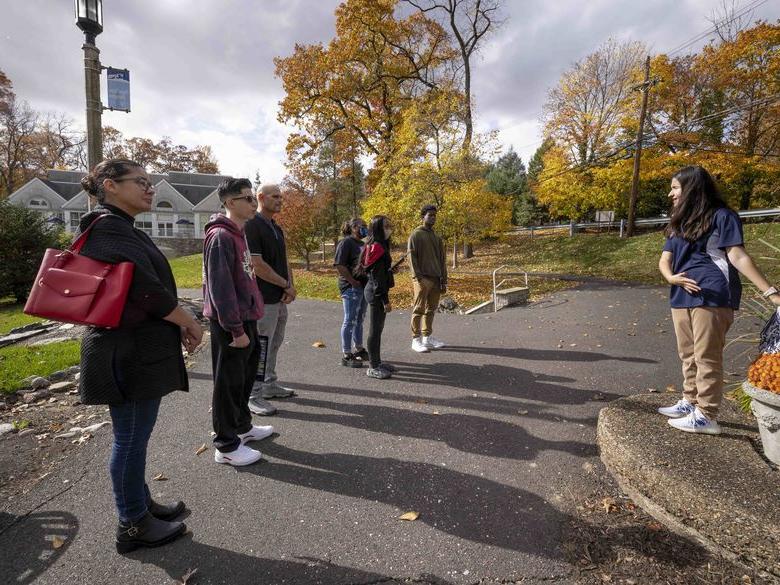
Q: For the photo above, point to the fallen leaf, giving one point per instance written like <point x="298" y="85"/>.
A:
<point x="318" y="344"/>
<point x="57" y="542"/>
<point x="187" y="576"/>
<point x="522" y="412"/>
<point x="671" y="388"/>
<point x="160" y="477"/>
<point x="410" y="516"/>
<point x="201" y="449"/>
<point x="436" y="412"/>
<point x="652" y="389"/>
<point x="609" y="505"/>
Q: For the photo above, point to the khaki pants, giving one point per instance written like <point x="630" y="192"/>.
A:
<point x="701" y="336"/>
<point x="427" y="292"/>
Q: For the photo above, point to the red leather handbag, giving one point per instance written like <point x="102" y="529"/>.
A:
<point x="77" y="289"/>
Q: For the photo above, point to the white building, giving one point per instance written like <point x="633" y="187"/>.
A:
<point x="183" y="202"/>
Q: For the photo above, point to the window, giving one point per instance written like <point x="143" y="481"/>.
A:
<point x="145" y="226"/>
<point x="164" y="205"/>
<point x="165" y="230"/>
<point x="38" y="203"/>
<point x="75" y="219"/>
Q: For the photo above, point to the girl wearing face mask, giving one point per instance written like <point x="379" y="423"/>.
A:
<point x="702" y="259"/>
<point x="351" y="284"/>
<point x="376" y="263"/>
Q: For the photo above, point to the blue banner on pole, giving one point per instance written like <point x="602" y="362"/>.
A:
<point x="118" y="89"/>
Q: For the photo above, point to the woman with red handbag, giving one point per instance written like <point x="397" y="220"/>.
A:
<point x="131" y="367"/>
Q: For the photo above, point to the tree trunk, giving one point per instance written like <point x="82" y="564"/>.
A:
<point x="467" y="91"/>
<point x="307" y="260"/>
<point x="468" y="250"/>
<point x="454" y="253"/>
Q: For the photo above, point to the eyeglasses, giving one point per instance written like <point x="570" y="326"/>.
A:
<point x="145" y="184"/>
<point x="247" y="198"/>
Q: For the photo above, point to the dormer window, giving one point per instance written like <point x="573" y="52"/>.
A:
<point x="164" y="205"/>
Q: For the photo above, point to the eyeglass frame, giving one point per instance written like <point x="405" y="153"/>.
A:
<point x="142" y="182"/>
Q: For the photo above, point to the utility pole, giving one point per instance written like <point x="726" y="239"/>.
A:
<point x="645" y="89"/>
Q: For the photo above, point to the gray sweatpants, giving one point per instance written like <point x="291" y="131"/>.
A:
<point x="272" y="326"/>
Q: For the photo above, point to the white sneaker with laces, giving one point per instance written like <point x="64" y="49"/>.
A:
<point x="679" y="410"/>
<point x="432" y="342"/>
<point x="696" y="422"/>
<point x="242" y="456"/>
<point x="256" y="433"/>
<point x="419" y="346"/>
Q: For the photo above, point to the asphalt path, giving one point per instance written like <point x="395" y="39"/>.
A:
<point x="490" y="440"/>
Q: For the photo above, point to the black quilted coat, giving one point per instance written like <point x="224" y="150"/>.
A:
<point x="142" y="358"/>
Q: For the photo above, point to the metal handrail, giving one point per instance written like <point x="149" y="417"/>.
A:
<point x="495" y="286"/>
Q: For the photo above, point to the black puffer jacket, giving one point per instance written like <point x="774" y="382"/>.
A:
<point x="142" y="358"/>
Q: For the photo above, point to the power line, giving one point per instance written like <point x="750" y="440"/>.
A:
<point x="701" y="36"/>
<point x="624" y="146"/>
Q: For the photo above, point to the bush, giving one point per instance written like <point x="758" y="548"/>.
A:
<point x="24" y="237"/>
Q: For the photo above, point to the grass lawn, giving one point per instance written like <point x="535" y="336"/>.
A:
<point x="18" y="362"/>
<point x="601" y="255"/>
<point x="11" y="316"/>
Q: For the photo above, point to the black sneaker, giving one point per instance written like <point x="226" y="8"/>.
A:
<point x="388" y="367"/>
<point x="349" y="360"/>
<point x="361" y="355"/>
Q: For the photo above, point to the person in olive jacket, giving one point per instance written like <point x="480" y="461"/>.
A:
<point x="130" y="368"/>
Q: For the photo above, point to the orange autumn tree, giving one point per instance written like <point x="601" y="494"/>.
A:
<point x="302" y="218"/>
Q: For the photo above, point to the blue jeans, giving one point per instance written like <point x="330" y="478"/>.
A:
<point x="133" y="423"/>
<point x="354" y="311"/>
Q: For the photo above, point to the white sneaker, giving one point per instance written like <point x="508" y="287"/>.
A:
<point x="432" y="343"/>
<point x="679" y="410"/>
<point x="696" y="422"/>
<point x="242" y="456"/>
<point x="419" y="346"/>
<point x="256" y="433"/>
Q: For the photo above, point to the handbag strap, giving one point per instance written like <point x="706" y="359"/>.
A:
<point x="79" y="242"/>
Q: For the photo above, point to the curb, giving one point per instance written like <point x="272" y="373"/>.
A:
<point x="669" y="473"/>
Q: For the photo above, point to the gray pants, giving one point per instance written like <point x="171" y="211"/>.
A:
<point x="272" y="326"/>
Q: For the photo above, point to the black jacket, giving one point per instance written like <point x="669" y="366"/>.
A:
<point x="377" y="264"/>
<point x="142" y="358"/>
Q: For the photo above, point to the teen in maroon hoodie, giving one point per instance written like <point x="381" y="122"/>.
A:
<point x="232" y="302"/>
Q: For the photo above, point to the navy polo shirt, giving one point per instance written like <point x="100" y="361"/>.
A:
<point x="705" y="261"/>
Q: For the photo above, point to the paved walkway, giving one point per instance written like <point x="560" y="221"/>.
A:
<point x="488" y="440"/>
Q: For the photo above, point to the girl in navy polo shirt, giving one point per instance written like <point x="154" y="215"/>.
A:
<point x="702" y="258"/>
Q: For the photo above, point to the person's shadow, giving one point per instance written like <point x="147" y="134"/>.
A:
<point x="38" y="540"/>
<point x="218" y="566"/>
<point x="464" y="432"/>
<point x="467" y="506"/>
<point x="562" y="355"/>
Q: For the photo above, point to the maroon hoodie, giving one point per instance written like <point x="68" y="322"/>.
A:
<point x="230" y="293"/>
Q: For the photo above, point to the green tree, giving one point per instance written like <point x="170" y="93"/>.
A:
<point x="24" y="237"/>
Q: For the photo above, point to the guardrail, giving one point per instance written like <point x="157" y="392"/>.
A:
<point x="621" y="225"/>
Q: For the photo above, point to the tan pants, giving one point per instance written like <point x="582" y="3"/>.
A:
<point x="701" y="336"/>
<point x="427" y="292"/>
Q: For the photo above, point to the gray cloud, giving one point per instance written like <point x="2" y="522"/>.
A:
<point x="203" y="69"/>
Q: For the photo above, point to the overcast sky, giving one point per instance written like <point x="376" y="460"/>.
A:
<point x="201" y="71"/>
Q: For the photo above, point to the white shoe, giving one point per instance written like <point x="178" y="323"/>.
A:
<point x="679" y="410"/>
<point x="696" y="422"/>
<point x="242" y="456"/>
<point x="432" y="343"/>
<point x="419" y="346"/>
<point x="256" y="433"/>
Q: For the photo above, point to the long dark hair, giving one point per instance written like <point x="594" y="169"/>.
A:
<point x="699" y="200"/>
<point x="376" y="234"/>
<point x="113" y="168"/>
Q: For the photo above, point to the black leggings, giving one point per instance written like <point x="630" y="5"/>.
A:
<point x="376" y="323"/>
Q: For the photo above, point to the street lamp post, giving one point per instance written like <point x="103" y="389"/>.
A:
<point x="89" y="18"/>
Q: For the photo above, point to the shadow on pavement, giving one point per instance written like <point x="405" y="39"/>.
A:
<point x="37" y="533"/>
<point x="220" y="566"/>
<point x="470" y="402"/>
<point x="464" y="432"/>
<point x="545" y="354"/>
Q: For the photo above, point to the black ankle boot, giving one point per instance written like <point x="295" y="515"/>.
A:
<point x="146" y="532"/>
<point x="163" y="512"/>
